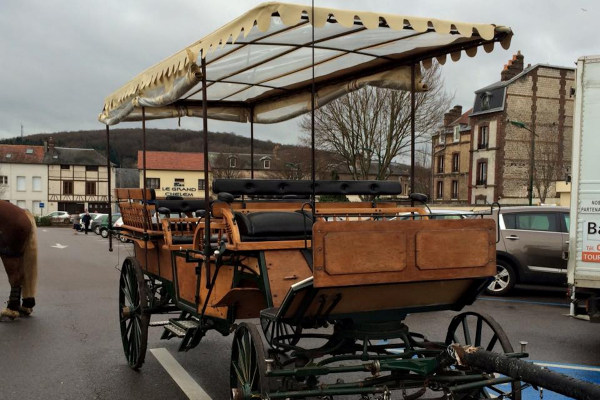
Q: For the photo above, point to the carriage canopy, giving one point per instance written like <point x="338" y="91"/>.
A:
<point x="259" y="67"/>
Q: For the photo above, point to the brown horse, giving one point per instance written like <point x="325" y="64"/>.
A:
<point x="18" y="251"/>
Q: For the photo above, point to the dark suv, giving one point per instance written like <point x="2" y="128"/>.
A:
<point x="533" y="247"/>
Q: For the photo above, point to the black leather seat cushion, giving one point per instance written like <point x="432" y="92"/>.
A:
<point x="274" y="225"/>
<point x="182" y="239"/>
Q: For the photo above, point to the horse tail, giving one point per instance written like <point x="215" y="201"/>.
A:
<point x="30" y="261"/>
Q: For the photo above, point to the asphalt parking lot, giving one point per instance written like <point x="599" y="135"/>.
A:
<point x="71" y="347"/>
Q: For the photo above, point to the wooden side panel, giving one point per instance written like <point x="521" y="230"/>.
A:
<point x="159" y="260"/>
<point x="285" y="267"/>
<point x="465" y="248"/>
<point x="353" y="253"/>
<point x="361" y="252"/>
<point x="186" y="286"/>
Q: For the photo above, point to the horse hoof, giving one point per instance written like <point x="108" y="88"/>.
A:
<point x="11" y="314"/>
<point x="25" y="311"/>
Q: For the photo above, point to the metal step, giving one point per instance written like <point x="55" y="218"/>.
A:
<point x="175" y="330"/>
<point x="185" y="323"/>
<point x="159" y="323"/>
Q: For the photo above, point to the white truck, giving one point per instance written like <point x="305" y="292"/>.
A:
<point x="584" y="237"/>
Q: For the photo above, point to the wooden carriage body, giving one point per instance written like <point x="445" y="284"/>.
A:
<point x="344" y="260"/>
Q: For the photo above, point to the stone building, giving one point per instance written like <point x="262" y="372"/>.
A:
<point x="536" y="98"/>
<point x="451" y="158"/>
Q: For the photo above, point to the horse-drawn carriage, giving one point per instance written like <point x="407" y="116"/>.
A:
<point x="331" y="283"/>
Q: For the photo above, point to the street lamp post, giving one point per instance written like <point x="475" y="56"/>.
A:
<point x="522" y="125"/>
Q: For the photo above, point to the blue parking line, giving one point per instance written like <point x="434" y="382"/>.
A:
<point x="583" y="372"/>
<point x="541" y="303"/>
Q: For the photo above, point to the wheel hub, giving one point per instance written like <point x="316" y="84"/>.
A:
<point x="126" y="312"/>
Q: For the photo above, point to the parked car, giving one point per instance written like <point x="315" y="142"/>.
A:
<point x="117" y="224"/>
<point x="59" y="216"/>
<point x="103" y="224"/>
<point x="96" y="222"/>
<point x="532" y="248"/>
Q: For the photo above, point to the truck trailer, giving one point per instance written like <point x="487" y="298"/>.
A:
<point x="584" y="234"/>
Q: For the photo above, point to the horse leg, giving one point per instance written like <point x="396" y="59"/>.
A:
<point x="13" y="265"/>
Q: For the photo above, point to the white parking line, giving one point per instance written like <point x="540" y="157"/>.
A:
<point x="568" y="366"/>
<point x="189" y="386"/>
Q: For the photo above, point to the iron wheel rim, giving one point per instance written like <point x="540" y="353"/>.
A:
<point x="248" y="366"/>
<point x="498" y="342"/>
<point x="133" y="316"/>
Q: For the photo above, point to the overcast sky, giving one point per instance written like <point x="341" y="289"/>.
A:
<point x="60" y="58"/>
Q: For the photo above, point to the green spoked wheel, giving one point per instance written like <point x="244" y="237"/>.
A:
<point x="248" y="366"/>
<point x="279" y="334"/>
<point x="481" y="330"/>
<point x="133" y="312"/>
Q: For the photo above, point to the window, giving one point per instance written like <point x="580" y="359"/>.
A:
<point x="232" y="162"/>
<point x="91" y="168"/>
<point x="457" y="133"/>
<point x="531" y="221"/>
<point x="566" y="221"/>
<point x="201" y="184"/>
<point x="454" y="190"/>
<point x="21" y="203"/>
<point x="179" y="182"/>
<point x="65" y="166"/>
<point x="29" y="151"/>
<point x="37" y="184"/>
<point x="485" y="100"/>
<point x="67" y="187"/>
<point x="483" y="139"/>
<point x="20" y="183"/>
<point x="266" y="164"/>
<point x="153" y="183"/>
<point x="481" y="173"/>
<point x="3" y="180"/>
<point x="440" y="164"/>
<point x="90" y="188"/>
<point x="442" y="138"/>
<point x="440" y="189"/>
<point x="36" y="206"/>
<point x="455" y="162"/>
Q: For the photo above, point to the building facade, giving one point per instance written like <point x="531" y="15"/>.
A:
<point x="452" y="159"/>
<point x="537" y="100"/>
<point x="77" y="179"/>
<point x="24" y="177"/>
<point x="173" y="174"/>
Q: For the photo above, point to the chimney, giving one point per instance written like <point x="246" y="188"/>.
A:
<point x="50" y="143"/>
<point x="452" y="115"/>
<point x="45" y="146"/>
<point x="513" y="68"/>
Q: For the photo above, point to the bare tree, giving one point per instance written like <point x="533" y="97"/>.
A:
<point x="294" y="163"/>
<point x="222" y="168"/>
<point x="372" y="126"/>
<point x="547" y="169"/>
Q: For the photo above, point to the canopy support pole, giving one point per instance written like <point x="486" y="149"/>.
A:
<point x="312" y="113"/>
<point x="207" y="248"/>
<point x="110" y="244"/>
<point x="252" y="142"/>
<point x="412" y="131"/>
<point x="144" y="199"/>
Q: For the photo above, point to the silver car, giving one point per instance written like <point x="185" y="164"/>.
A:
<point x="533" y="247"/>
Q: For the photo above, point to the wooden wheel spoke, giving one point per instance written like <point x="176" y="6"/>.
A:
<point x="492" y="343"/>
<point x="478" y="331"/>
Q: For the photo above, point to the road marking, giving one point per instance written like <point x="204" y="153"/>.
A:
<point x="189" y="386"/>
<point x="567" y="366"/>
<point x="541" y="303"/>
<point x="60" y="246"/>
